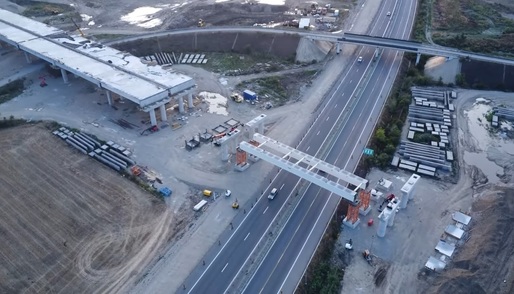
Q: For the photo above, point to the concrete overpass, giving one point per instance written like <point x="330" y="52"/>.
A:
<point x="116" y="72"/>
<point x="419" y="48"/>
<point x="337" y="38"/>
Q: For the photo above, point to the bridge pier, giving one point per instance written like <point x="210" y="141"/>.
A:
<point x="27" y="57"/>
<point x="190" y="101"/>
<point x="109" y="98"/>
<point x="164" y="117"/>
<point x="338" y="48"/>
<point x="64" y="75"/>
<point x="180" y="104"/>
<point x="153" y="118"/>
<point x="418" y="56"/>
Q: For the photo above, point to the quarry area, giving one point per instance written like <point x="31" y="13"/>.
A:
<point x="71" y="224"/>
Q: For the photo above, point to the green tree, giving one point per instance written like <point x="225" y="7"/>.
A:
<point x="380" y="136"/>
<point x="460" y="80"/>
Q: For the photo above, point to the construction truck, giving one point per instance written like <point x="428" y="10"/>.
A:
<point x="236" y="97"/>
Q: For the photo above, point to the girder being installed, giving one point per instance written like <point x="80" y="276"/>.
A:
<point x="282" y="160"/>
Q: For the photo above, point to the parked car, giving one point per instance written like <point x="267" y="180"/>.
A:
<point x="359" y="59"/>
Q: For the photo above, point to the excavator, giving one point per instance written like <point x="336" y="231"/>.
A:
<point x="201" y="23"/>
<point x="77" y="26"/>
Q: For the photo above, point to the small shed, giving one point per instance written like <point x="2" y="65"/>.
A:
<point x="304" y="23"/>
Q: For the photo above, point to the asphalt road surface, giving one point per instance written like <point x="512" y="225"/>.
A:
<point x="284" y="264"/>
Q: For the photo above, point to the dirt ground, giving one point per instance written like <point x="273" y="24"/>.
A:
<point x="69" y="224"/>
<point x="98" y="14"/>
<point x="486" y="262"/>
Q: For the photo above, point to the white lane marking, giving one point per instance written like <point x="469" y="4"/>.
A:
<point x="282" y="186"/>
<point x="371" y="113"/>
<point x="318" y="133"/>
<point x="265" y="210"/>
<point x="350" y="81"/>
<point x="342" y="81"/>
<point x="335" y="105"/>
<point x="328" y="117"/>
<point x="246" y="237"/>
<point x="357" y="70"/>
<point x="326" y="138"/>
<point x="224" y="267"/>
<point x="307" y="148"/>
<point x="260" y="240"/>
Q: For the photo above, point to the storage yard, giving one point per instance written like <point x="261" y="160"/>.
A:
<point x="454" y="236"/>
<point x="68" y="223"/>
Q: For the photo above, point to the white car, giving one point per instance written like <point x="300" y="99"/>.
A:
<point x="389" y="13"/>
<point x="359" y="59"/>
<point x="272" y="194"/>
<point x="228" y="193"/>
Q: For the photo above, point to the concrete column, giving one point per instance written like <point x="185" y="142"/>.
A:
<point x="64" y="75"/>
<point x="411" y="193"/>
<point x="27" y="57"/>
<point x="338" y="48"/>
<point x="418" y="56"/>
<point x="224" y="152"/>
<point x="109" y="98"/>
<point x="180" y="105"/>
<point x="153" y="119"/>
<point x="390" y="221"/>
<point x="404" y="200"/>
<point x="164" y="118"/>
<point x="190" y="101"/>
<point x="261" y="128"/>
<point x="382" y="227"/>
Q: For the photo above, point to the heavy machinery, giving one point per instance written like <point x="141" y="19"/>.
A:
<point x="235" y="204"/>
<point x="151" y="129"/>
<point x="236" y="97"/>
<point x="201" y="23"/>
<point x="136" y="171"/>
<point x="76" y="26"/>
<point x="367" y="256"/>
<point x="349" y="245"/>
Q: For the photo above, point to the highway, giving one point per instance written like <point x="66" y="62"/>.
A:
<point x="285" y="262"/>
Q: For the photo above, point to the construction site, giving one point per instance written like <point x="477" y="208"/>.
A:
<point x="111" y="198"/>
<point x="68" y="223"/>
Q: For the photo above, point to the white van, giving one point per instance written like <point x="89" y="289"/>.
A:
<point x="273" y="193"/>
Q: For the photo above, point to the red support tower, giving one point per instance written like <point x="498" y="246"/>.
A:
<point x="352" y="216"/>
<point x="364" y="197"/>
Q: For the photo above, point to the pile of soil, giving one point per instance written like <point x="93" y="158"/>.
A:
<point x="486" y="262"/>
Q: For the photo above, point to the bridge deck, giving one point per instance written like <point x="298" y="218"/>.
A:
<point x="108" y="68"/>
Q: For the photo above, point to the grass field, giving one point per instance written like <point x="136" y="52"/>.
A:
<point x="67" y="223"/>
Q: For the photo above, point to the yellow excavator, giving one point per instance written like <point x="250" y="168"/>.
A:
<point x="236" y="97"/>
<point x="201" y="23"/>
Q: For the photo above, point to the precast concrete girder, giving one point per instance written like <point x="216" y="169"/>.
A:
<point x="299" y="171"/>
<point x="311" y="161"/>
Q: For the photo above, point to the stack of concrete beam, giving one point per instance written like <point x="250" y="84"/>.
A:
<point x="426" y="155"/>
<point x="112" y="155"/>
<point x="504" y="112"/>
<point x="421" y="114"/>
<point x="434" y="98"/>
<point x="161" y="58"/>
<point x="194" y="59"/>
